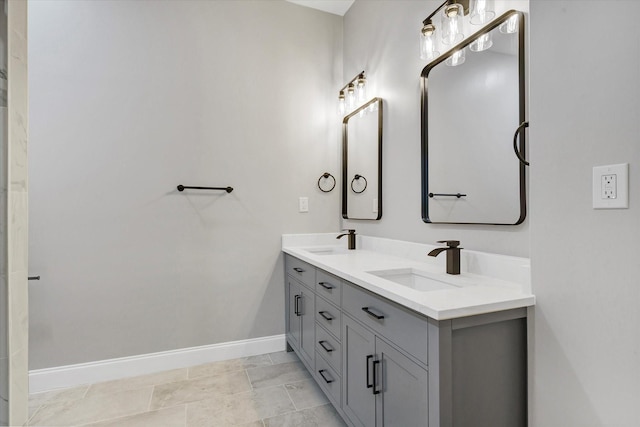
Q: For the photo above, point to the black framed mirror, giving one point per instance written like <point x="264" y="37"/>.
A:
<point x="362" y="162"/>
<point x="473" y="116"/>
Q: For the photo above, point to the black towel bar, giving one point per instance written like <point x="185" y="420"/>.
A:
<point x="227" y="189"/>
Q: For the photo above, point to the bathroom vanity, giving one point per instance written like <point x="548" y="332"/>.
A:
<point x="392" y="341"/>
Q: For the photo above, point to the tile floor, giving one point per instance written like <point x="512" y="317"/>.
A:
<point x="259" y="391"/>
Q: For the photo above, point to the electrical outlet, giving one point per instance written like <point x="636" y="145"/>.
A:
<point x="611" y="186"/>
<point x="303" y="204"/>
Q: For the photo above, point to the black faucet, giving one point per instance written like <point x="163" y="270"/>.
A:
<point x="351" y="243"/>
<point x="453" y="255"/>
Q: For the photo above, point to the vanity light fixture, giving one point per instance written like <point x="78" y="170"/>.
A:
<point x="449" y="32"/>
<point x="353" y="94"/>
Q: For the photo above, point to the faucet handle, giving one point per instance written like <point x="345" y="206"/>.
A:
<point x="451" y="243"/>
<point x="350" y="230"/>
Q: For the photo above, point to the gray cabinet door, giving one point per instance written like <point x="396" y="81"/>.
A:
<point x="358" y="354"/>
<point x="403" y="397"/>
<point x="294" y="293"/>
<point x="306" y="307"/>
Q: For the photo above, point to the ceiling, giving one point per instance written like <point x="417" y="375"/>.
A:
<point x="337" y="7"/>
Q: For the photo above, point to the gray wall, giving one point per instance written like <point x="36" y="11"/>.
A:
<point x="584" y="112"/>
<point x="129" y="99"/>
<point x="382" y="37"/>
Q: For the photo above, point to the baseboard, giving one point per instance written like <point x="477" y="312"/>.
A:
<point x="113" y="369"/>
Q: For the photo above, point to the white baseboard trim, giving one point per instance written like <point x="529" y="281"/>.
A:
<point x="112" y="369"/>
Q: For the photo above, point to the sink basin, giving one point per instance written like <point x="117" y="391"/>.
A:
<point x="414" y="279"/>
<point x="327" y="250"/>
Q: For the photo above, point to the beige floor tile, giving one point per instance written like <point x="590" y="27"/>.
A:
<point x="320" y="416"/>
<point x="181" y="392"/>
<point x="59" y="395"/>
<point x="169" y="417"/>
<point x="217" y="368"/>
<point x="134" y="383"/>
<point x="239" y="409"/>
<point x="283" y="373"/>
<point x="284" y="357"/>
<point x="92" y="409"/>
<point x="306" y="394"/>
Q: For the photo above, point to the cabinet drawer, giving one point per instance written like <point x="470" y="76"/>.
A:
<point x="329" y="316"/>
<point x="329" y="348"/>
<point x="407" y="330"/>
<point x="305" y="273"/>
<point x="329" y="286"/>
<point x="328" y="379"/>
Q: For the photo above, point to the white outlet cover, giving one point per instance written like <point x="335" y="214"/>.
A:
<point x="616" y="193"/>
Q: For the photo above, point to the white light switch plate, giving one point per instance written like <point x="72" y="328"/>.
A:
<point x="303" y="204"/>
<point x="611" y="186"/>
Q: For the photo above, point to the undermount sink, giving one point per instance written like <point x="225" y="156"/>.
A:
<point x="414" y="279"/>
<point x="327" y="250"/>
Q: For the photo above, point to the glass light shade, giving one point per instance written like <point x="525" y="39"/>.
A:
<point x="428" y="39"/>
<point x="361" y="90"/>
<point x="341" y="104"/>
<point x="482" y="11"/>
<point x="452" y="24"/>
<point x="483" y="42"/>
<point x="510" y="26"/>
<point x="456" y="59"/>
<point x="351" y="97"/>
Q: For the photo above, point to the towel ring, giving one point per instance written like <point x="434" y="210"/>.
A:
<point x="355" y="178"/>
<point x="326" y="175"/>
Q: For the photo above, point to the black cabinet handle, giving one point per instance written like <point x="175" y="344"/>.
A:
<point x="327" y="349"/>
<point x="298" y="269"/>
<point x="321" y="372"/>
<point x="325" y="315"/>
<point x="296" y="305"/>
<point x="369" y="385"/>
<point x="375" y="377"/>
<point x="372" y="314"/>
<point x="326" y="285"/>
<point x="33" y="278"/>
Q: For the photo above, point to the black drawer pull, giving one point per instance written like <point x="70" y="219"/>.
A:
<point x="327" y="349"/>
<point x="321" y="372"/>
<point x="372" y="314"/>
<point x="296" y="305"/>
<point x="375" y="377"/>
<point x="298" y="269"/>
<point x="326" y="285"/>
<point x="369" y="385"/>
<point x="325" y="315"/>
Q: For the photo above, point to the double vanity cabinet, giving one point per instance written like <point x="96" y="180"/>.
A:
<point x="381" y="364"/>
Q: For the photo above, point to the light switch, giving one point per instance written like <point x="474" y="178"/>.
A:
<point x="303" y="204"/>
<point x="611" y="186"/>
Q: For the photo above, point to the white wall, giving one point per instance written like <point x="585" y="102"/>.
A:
<point x="584" y="112"/>
<point x="382" y="38"/>
<point x="130" y="99"/>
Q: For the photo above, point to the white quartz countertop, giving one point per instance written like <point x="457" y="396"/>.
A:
<point x="473" y="293"/>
